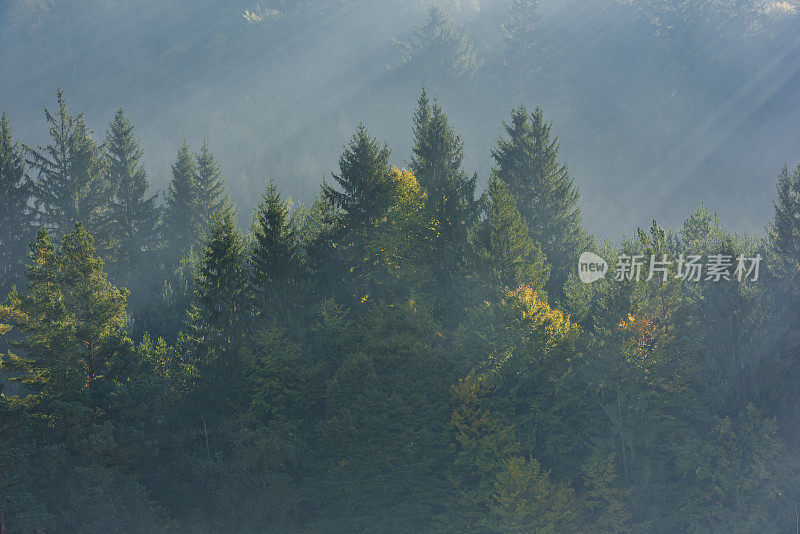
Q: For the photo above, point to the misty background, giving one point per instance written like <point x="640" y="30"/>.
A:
<point x="658" y="106"/>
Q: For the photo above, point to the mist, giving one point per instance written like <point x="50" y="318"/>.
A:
<point x="649" y="127"/>
<point x="399" y="266"/>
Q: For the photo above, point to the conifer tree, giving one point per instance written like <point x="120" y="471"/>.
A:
<point x="80" y="371"/>
<point x="221" y="297"/>
<point x="438" y="50"/>
<point x="274" y="258"/>
<point x="523" y="33"/>
<point x="436" y="162"/>
<point x="364" y="179"/>
<point x="217" y="318"/>
<point x="70" y="186"/>
<point x="210" y="184"/>
<point x="16" y="213"/>
<point x="514" y="258"/>
<point x="182" y="220"/>
<point x="784" y="231"/>
<point x="72" y="319"/>
<point x="132" y="216"/>
<point x="546" y="197"/>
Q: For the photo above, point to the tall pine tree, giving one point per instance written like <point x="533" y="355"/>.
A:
<point x="523" y="34"/>
<point x="210" y="183"/>
<point x="547" y="198"/>
<point x="514" y="259"/>
<point x="221" y="297"/>
<point x="217" y="318"/>
<point x="436" y="162"/>
<point x="784" y="232"/>
<point x="274" y="257"/>
<point x="70" y="184"/>
<point x="364" y="179"/>
<point x="81" y="373"/>
<point x="183" y="224"/>
<point x="438" y="51"/>
<point x="72" y="319"/>
<point x="132" y="216"/>
<point x="16" y="208"/>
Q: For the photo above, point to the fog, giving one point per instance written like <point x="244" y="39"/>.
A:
<point x="654" y="114"/>
<point x="474" y="344"/>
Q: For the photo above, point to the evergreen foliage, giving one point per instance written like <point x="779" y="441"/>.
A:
<point x="133" y="215"/>
<point x="17" y="216"/>
<point x="69" y="173"/>
<point x="364" y="180"/>
<point x="437" y="153"/>
<point x="183" y="214"/>
<point x="527" y="161"/>
<point x="438" y="51"/>
<point x="388" y="359"/>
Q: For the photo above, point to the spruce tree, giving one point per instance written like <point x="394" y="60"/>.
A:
<point x="217" y="318"/>
<point x="784" y="232"/>
<point x="546" y="197"/>
<point x="221" y="297"/>
<point x="72" y="319"/>
<point x="274" y="257"/>
<point x="436" y="162"/>
<point x="523" y="35"/>
<point x="70" y="185"/>
<point x="81" y="374"/>
<point x="17" y="216"/>
<point x="210" y="184"/>
<point x="132" y="215"/>
<point x="182" y="220"/>
<point x="523" y="29"/>
<point x="364" y="179"/>
<point x="438" y="51"/>
<point x="514" y="258"/>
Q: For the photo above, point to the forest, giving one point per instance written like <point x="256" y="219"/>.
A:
<point x="411" y="349"/>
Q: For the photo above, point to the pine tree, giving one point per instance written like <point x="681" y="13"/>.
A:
<point x="221" y="297"/>
<point x="132" y="216"/>
<point x="481" y="443"/>
<point x="70" y="185"/>
<point x="605" y="503"/>
<point x="384" y="425"/>
<point x="210" y="183"/>
<point x="183" y="225"/>
<point x="526" y="500"/>
<point x="523" y="34"/>
<point x="514" y="258"/>
<point x="274" y="257"/>
<point x="547" y="199"/>
<point x="81" y="375"/>
<point x="364" y="179"/>
<point x="16" y="212"/>
<point x="72" y="318"/>
<point x="436" y="162"/>
<point x="783" y="275"/>
<point x="784" y="232"/>
<point x="217" y="319"/>
<point x="439" y="51"/>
